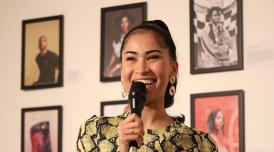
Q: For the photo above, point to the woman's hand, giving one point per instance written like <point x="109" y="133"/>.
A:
<point x="131" y="129"/>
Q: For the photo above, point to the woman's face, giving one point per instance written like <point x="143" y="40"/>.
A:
<point x="216" y="16"/>
<point x="125" y="24"/>
<point x="219" y="121"/>
<point x="145" y="59"/>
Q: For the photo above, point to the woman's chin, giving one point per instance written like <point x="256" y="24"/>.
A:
<point x="152" y="100"/>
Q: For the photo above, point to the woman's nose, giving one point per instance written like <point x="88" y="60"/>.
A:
<point x="142" y="67"/>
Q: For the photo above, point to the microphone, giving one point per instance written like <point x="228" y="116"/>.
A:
<point x="137" y="99"/>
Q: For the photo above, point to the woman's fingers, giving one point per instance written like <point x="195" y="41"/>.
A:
<point x="131" y="125"/>
<point x="131" y="129"/>
<point x="133" y="137"/>
<point x="134" y="130"/>
<point x="131" y="118"/>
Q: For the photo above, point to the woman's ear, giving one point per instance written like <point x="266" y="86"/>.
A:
<point x="174" y="68"/>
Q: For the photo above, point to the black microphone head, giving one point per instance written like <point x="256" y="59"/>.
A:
<point x="137" y="97"/>
<point x="138" y="87"/>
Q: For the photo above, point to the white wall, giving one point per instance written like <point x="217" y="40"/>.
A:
<point x="82" y="91"/>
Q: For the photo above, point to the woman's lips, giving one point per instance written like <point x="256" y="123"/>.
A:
<point x="147" y="81"/>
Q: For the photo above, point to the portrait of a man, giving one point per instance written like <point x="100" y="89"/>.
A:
<point x="42" y="53"/>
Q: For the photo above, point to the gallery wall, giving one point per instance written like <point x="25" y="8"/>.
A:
<point x="82" y="91"/>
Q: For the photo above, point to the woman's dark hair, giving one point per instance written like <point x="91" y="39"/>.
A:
<point x="217" y="9"/>
<point x="118" y="20"/>
<point x="160" y="28"/>
<point x="211" y="120"/>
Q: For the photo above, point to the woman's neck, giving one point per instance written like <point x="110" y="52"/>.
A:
<point x="155" y="117"/>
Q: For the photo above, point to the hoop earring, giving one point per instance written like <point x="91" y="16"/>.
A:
<point x="172" y="88"/>
<point x="123" y="93"/>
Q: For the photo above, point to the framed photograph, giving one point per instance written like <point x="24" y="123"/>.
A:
<point x="41" y="129"/>
<point x="114" y="108"/>
<point x="221" y="114"/>
<point x="115" y="23"/>
<point x="216" y="35"/>
<point x="42" y="53"/>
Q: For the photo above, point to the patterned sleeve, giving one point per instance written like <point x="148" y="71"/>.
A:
<point x="208" y="144"/>
<point x="87" y="138"/>
<point x="205" y="142"/>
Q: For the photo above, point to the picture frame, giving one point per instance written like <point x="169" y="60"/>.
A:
<point x="221" y="115"/>
<point x="114" y="108"/>
<point x="42" y="53"/>
<point x="216" y="36"/>
<point x="41" y="129"/>
<point x="116" y="21"/>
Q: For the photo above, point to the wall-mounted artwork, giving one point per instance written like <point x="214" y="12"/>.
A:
<point x="114" y="108"/>
<point x="216" y="35"/>
<point x="41" y="129"/>
<point x="221" y="114"/>
<point x="42" y="53"/>
<point x="115" y="23"/>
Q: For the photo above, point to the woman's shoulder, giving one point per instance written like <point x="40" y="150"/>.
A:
<point x="94" y="123"/>
<point x="97" y="129"/>
<point x="100" y="120"/>
<point x="202" y="139"/>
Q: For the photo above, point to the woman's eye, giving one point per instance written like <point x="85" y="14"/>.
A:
<point x="130" y="58"/>
<point x="154" y="57"/>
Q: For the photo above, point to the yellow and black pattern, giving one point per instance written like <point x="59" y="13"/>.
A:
<point x="100" y="134"/>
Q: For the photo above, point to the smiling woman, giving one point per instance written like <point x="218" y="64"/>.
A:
<point x="148" y="55"/>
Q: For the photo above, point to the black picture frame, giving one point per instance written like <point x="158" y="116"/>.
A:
<point x="45" y="71"/>
<point x="212" y="52"/>
<point x="42" y="123"/>
<point x="122" y="105"/>
<point x="207" y="108"/>
<point x="112" y="35"/>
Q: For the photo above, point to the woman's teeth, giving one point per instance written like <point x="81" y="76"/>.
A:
<point x="146" y="82"/>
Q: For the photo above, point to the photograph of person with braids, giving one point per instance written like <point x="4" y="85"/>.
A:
<point x="216" y="35"/>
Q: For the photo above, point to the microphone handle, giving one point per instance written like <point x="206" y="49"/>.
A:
<point x="133" y="146"/>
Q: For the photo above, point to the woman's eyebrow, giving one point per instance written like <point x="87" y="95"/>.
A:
<point x="147" y="52"/>
<point x="130" y="52"/>
<point x="152" y="51"/>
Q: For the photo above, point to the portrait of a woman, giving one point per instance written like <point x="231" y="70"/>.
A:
<point x="123" y="23"/>
<point x="215" y="124"/>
